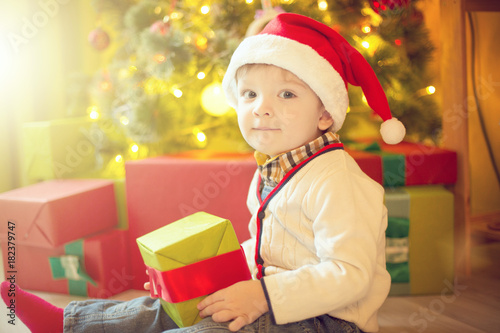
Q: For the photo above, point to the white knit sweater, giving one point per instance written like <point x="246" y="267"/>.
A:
<point x="322" y="243"/>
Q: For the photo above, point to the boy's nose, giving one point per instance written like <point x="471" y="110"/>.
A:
<point x="264" y="108"/>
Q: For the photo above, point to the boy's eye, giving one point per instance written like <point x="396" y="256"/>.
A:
<point x="287" y="94"/>
<point x="249" y="94"/>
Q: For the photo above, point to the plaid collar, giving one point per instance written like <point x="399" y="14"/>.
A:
<point x="272" y="170"/>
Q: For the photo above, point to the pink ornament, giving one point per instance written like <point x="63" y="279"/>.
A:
<point x="160" y="27"/>
<point x="99" y="39"/>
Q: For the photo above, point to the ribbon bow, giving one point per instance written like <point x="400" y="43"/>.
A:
<point x="70" y="266"/>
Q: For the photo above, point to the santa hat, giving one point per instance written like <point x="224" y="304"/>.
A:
<point x="321" y="58"/>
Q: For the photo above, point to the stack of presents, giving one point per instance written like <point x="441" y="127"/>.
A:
<point x="96" y="235"/>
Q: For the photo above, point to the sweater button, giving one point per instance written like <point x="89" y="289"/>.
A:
<point x="261" y="215"/>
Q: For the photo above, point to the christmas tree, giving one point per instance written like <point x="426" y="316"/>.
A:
<point x="161" y="92"/>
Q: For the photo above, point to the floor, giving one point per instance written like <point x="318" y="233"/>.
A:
<point x="474" y="307"/>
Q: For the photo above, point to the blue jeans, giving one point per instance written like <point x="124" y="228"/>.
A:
<point x="146" y="315"/>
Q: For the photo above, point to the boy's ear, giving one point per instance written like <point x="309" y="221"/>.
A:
<point x="325" y="121"/>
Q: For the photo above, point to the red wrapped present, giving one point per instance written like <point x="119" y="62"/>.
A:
<point x="96" y="266"/>
<point x="371" y="164"/>
<point x="405" y="164"/>
<point x="424" y="164"/>
<point x="169" y="188"/>
<point x="55" y="212"/>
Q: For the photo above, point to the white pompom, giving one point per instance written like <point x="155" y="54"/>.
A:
<point x="392" y="131"/>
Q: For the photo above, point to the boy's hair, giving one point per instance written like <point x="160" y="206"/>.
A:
<point x="243" y="70"/>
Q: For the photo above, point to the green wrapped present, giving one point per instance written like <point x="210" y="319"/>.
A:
<point x="121" y="203"/>
<point x="419" y="247"/>
<point x="189" y="259"/>
<point x="57" y="149"/>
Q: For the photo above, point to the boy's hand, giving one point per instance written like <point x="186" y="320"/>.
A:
<point x="147" y="285"/>
<point x="243" y="303"/>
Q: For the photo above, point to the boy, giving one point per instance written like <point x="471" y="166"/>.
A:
<point x="318" y="222"/>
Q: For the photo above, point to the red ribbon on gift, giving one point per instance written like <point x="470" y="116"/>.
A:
<point x="199" y="279"/>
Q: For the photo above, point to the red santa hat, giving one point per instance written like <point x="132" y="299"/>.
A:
<point x="320" y="57"/>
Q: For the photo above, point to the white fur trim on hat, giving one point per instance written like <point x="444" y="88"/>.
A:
<point x="300" y="59"/>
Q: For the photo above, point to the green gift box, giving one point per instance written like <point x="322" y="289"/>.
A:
<point x="189" y="259"/>
<point x="121" y="203"/>
<point x="419" y="247"/>
<point x="57" y="149"/>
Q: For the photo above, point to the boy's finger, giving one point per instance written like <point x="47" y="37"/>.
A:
<point x="210" y="299"/>
<point x="208" y="309"/>
<point x="237" y="324"/>
<point x="223" y="316"/>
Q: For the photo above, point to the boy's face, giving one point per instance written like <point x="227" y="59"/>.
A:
<point x="277" y="111"/>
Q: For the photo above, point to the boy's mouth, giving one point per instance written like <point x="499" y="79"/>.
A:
<point x="265" y="129"/>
